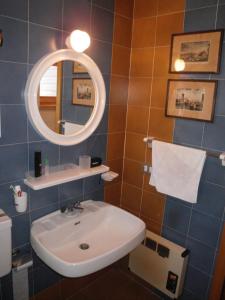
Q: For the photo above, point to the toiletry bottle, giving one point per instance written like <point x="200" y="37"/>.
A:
<point x="45" y="167"/>
<point x="37" y="164"/>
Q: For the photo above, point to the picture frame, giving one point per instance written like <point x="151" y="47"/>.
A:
<point x="196" y="52"/>
<point x="83" y="92"/>
<point x="79" y="68"/>
<point x="191" y="99"/>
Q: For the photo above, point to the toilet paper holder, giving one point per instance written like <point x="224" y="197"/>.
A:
<point x="21" y="262"/>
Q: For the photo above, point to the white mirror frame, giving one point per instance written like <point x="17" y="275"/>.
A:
<point x="31" y="100"/>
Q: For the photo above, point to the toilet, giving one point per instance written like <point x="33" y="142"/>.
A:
<point x="6" y="244"/>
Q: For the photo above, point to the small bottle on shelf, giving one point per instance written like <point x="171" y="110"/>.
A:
<point x="45" y="170"/>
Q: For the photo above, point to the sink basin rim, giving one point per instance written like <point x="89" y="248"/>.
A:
<point x="81" y="268"/>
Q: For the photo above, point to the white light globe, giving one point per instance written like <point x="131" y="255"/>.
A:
<point x="79" y="40"/>
<point x="179" y="65"/>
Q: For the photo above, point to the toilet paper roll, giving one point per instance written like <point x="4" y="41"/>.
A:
<point x="20" y="284"/>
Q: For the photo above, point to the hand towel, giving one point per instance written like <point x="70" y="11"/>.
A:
<point x="176" y="170"/>
<point x="71" y="128"/>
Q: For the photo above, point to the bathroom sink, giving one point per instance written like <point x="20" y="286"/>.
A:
<point x="87" y="241"/>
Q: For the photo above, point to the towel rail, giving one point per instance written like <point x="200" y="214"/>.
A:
<point x="215" y="154"/>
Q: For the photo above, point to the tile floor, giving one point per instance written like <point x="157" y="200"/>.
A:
<point x="112" y="283"/>
<point x="115" y="284"/>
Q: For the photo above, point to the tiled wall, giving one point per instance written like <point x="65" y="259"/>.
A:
<point x="118" y="95"/>
<point x="137" y="86"/>
<point x="32" y="29"/>
<point x="153" y="24"/>
<point x="198" y="226"/>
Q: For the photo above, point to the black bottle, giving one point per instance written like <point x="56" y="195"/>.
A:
<point x="37" y="164"/>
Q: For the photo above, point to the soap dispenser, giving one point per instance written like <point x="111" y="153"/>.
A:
<point x="6" y="244"/>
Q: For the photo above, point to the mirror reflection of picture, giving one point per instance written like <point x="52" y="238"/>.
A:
<point x="55" y="94"/>
<point x="83" y="92"/>
<point x="79" y="68"/>
<point x="191" y="99"/>
<point x="199" y="52"/>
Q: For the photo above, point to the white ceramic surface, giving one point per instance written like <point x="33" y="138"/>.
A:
<point x="31" y="99"/>
<point x="110" y="232"/>
<point x="63" y="176"/>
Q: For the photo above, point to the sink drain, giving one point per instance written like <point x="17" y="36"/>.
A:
<point x="84" y="246"/>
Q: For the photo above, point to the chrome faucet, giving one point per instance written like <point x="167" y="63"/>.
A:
<point x="71" y="208"/>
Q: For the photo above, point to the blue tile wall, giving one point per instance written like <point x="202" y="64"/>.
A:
<point x="198" y="226"/>
<point x="32" y="29"/>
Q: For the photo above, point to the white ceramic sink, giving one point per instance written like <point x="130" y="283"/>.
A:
<point x="110" y="233"/>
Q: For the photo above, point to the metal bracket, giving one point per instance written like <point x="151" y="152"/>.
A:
<point x="21" y="262"/>
<point x="147" y="169"/>
<point x="148" y="140"/>
<point x="1" y="38"/>
<point x="222" y="157"/>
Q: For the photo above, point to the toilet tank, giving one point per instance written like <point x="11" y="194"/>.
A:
<point x="5" y="244"/>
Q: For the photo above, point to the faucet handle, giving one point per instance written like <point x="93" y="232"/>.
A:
<point x="77" y="203"/>
<point x="63" y="208"/>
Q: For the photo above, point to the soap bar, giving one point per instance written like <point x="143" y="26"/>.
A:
<point x="96" y="161"/>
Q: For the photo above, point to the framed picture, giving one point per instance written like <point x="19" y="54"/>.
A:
<point x="83" y="92"/>
<point x="79" y="68"/>
<point x="191" y="99"/>
<point x="196" y="52"/>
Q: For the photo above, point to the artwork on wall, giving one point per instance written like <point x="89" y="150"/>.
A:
<point x="191" y="99"/>
<point x="196" y="52"/>
<point x="83" y="92"/>
<point x="79" y="68"/>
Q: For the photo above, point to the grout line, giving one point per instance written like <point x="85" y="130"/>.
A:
<point x="200" y="8"/>
<point x="161" y="15"/>
<point x="13" y="62"/>
<point x="149" y="114"/>
<point x="62" y="22"/>
<point x="91" y="17"/>
<point x="201" y="271"/>
<point x="108" y="133"/>
<point x="127" y="104"/>
<point x="13" y="18"/>
<point x="190" y="237"/>
<point x="123" y="16"/>
<point x="12" y="104"/>
<point x="45" y="26"/>
<point x="120" y="45"/>
<point x="8" y="145"/>
<point x="189" y="225"/>
<point x="215" y="184"/>
<point x="217" y="9"/>
<point x="103" y="8"/>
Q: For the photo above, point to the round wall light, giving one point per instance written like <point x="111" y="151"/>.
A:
<point x="78" y="40"/>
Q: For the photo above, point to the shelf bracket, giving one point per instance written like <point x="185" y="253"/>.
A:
<point x="148" y="140"/>
<point x="222" y="157"/>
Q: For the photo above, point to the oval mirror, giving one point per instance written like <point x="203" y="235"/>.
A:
<point x="65" y="97"/>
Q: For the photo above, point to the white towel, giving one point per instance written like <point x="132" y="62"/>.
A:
<point x="71" y="128"/>
<point x="176" y="170"/>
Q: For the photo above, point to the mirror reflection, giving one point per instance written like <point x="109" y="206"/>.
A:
<point x="66" y="97"/>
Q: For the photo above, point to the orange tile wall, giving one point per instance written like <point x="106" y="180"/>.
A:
<point x="140" y="63"/>
<point x="153" y="23"/>
<point x="121" y="50"/>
